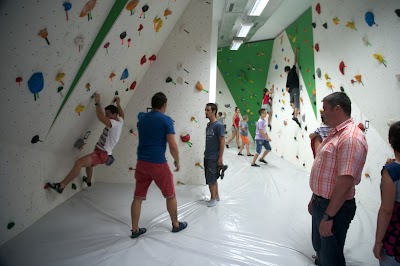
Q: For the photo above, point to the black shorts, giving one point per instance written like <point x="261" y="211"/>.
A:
<point x="211" y="171"/>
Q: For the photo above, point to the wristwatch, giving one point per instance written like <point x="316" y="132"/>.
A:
<point x="98" y="104"/>
<point x="326" y="217"/>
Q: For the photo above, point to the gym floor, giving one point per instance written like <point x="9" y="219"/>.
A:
<point x="262" y="219"/>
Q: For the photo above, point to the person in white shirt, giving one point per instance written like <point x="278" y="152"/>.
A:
<point x="113" y="119"/>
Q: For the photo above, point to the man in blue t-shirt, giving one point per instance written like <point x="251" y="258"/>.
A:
<point x="262" y="138"/>
<point x="213" y="155"/>
<point x="155" y="130"/>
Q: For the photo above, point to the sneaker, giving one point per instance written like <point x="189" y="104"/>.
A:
<point x="262" y="160"/>
<point x="217" y="198"/>
<point x="270" y="128"/>
<point x="240" y="154"/>
<point x="227" y="146"/>
<point x="182" y="225"/>
<point x="141" y="231"/>
<point x="255" y="165"/>
<point x="85" y="180"/>
<point x="56" y="187"/>
<point x="221" y="171"/>
<point x="211" y="203"/>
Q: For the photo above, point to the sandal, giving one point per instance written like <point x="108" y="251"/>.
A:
<point x="85" y="180"/>
<point x="250" y="154"/>
<point x="221" y="171"/>
<point x="141" y="231"/>
<point x="182" y="225"/>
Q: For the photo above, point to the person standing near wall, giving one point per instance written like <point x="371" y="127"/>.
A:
<point x="293" y="85"/>
<point x="113" y="119"/>
<point x="235" y="128"/>
<point x="318" y="136"/>
<point x="155" y="130"/>
<point x="213" y="154"/>
<point x="262" y="139"/>
<point x="221" y="118"/>
<point x="335" y="172"/>
<point x="266" y="104"/>
<point x="387" y="238"/>
<point x="244" y="133"/>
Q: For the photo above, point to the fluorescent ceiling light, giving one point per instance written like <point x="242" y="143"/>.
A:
<point x="236" y="44"/>
<point x="258" y="7"/>
<point x="244" y="30"/>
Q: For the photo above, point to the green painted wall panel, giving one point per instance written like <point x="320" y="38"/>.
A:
<point x="245" y="73"/>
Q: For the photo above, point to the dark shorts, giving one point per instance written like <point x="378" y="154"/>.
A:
<point x="262" y="143"/>
<point x="98" y="157"/>
<point x="160" y="173"/>
<point x="295" y="97"/>
<point x="211" y="171"/>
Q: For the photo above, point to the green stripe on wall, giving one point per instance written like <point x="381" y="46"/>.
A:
<point x="300" y="35"/>
<point x="108" y="23"/>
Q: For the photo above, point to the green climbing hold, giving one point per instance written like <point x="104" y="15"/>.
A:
<point x="73" y="186"/>
<point x="10" y="225"/>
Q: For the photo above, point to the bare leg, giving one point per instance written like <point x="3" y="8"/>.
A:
<point x="232" y="137"/>
<point x="89" y="173"/>
<point x="264" y="154"/>
<point x="269" y="117"/>
<point x="136" y="207"/>
<point x="85" y="161"/>
<point x="213" y="190"/>
<point x="237" y="138"/>
<point x="255" y="158"/>
<point x="173" y="211"/>
<point x="247" y="148"/>
<point x="241" y="148"/>
<point x="217" y="196"/>
<point x="296" y="111"/>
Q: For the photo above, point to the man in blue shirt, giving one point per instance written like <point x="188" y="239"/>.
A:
<point x="213" y="155"/>
<point x="155" y="130"/>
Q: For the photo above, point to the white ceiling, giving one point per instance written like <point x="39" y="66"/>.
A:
<point x="275" y="18"/>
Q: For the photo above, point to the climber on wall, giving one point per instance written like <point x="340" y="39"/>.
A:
<point x="292" y="85"/>
<point x="267" y="105"/>
<point x="113" y="119"/>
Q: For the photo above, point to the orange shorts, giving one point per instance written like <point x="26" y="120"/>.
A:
<point x="98" y="157"/>
<point x="147" y="172"/>
<point x="245" y="139"/>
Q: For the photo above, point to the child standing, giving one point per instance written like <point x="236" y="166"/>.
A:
<point x="244" y="132"/>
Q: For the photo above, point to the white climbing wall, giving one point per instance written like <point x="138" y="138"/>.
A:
<point x="184" y="56"/>
<point x="25" y="166"/>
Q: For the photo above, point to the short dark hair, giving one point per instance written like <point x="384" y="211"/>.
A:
<point x="158" y="100"/>
<point x="394" y="136"/>
<point x="219" y="113"/>
<point x="112" y="108"/>
<point x="214" y="107"/>
<point x="265" y="90"/>
<point x="341" y="99"/>
<point x="287" y="68"/>
<point x="262" y="110"/>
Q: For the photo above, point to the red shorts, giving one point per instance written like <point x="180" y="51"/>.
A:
<point x="146" y="172"/>
<point x="98" y="156"/>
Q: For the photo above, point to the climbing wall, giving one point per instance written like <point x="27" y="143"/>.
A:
<point x="358" y="54"/>
<point x="183" y="64"/>
<point x="289" y="140"/>
<point x="245" y="73"/>
<point x="57" y="55"/>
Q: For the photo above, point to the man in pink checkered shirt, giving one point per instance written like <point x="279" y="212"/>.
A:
<point x="335" y="173"/>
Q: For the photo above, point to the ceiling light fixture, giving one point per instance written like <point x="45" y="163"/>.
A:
<point x="258" y="7"/>
<point x="244" y="30"/>
<point x="236" y="44"/>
